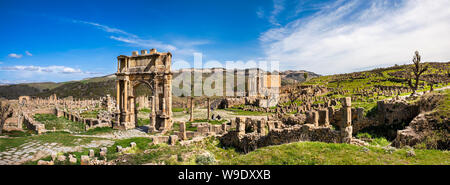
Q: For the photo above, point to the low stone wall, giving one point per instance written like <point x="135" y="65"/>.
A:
<point x="33" y="124"/>
<point x="230" y="102"/>
<point x="90" y="123"/>
<point x="306" y="132"/>
<point x="396" y="111"/>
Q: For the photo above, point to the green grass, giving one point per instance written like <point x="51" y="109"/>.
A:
<point x="89" y="114"/>
<point x="315" y="153"/>
<point x="177" y="109"/>
<point x="214" y="122"/>
<point x="376" y="141"/>
<point x="98" y="130"/>
<point x="237" y="111"/>
<point x="51" y="121"/>
<point x="145" y="110"/>
<point x="366" y="81"/>
<point x="64" y="138"/>
<point x="17" y="133"/>
<point x="443" y="108"/>
<point x="6" y="143"/>
<point x="300" y="153"/>
<point x="189" y="127"/>
<point x="142" y="122"/>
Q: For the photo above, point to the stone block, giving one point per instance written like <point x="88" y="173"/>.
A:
<point x="54" y="155"/>
<point x="102" y="153"/>
<point x="173" y="139"/>
<point x="72" y="159"/>
<point x="61" y="158"/>
<point x="91" y="153"/>
<point x="240" y="125"/>
<point x="133" y="145"/>
<point x="84" y="160"/>
<point x="323" y="117"/>
<point x="347" y="102"/>
<point x="119" y="149"/>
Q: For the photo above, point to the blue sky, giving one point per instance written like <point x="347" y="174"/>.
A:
<point x="70" y="40"/>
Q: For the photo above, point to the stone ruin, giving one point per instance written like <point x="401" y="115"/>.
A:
<point x="250" y="134"/>
<point x="26" y="107"/>
<point x="153" y="70"/>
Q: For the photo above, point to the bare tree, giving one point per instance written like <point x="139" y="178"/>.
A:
<point x="5" y="113"/>
<point x="417" y="70"/>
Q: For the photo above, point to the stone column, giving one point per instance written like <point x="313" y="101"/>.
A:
<point x="347" y="129"/>
<point x="183" y="130"/>
<point x="240" y="125"/>
<point x="233" y="123"/>
<point x="313" y="117"/>
<point x="125" y="101"/>
<point x="270" y="125"/>
<point x="153" y="114"/>
<point x="224" y="127"/>
<point x="323" y="118"/>
<point x="209" y="108"/>
<point x="191" y="112"/>
<point x="261" y="126"/>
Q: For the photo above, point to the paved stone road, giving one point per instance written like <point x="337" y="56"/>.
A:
<point x="33" y="149"/>
<point x="121" y="134"/>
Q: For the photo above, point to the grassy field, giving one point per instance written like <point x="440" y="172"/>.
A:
<point x="367" y="80"/>
<point x="299" y="153"/>
<point x="90" y="114"/>
<point x="52" y="121"/>
<point x="315" y="153"/>
<point x="237" y="111"/>
<point x="63" y="138"/>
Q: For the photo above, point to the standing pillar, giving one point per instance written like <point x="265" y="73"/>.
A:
<point x="324" y="118"/>
<point x="125" y="101"/>
<point x="261" y="126"/>
<point x="240" y="125"/>
<point x="183" y="130"/>
<point x="347" y="129"/>
<point x="153" y="114"/>
<point x="209" y="108"/>
<point x="191" y="112"/>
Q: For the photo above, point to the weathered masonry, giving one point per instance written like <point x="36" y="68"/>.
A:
<point x="153" y="70"/>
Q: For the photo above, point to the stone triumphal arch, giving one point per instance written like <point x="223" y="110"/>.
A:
<point x="152" y="70"/>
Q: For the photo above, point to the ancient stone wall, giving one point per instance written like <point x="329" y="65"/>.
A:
<point x="296" y="133"/>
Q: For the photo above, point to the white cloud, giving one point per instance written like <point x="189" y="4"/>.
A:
<point x="182" y="46"/>
<point x="278" y="7"/>
<point x="14" y="55"/>
<point x="48" y="69"/>
<point x="144" y="43"/>
<point x="28" y="53"/>
<point x="106" y="28"/>
<point x="260" y="13"/>
<point x="347" y="36"/>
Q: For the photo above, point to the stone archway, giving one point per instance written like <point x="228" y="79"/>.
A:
<point x="154" y="70"/>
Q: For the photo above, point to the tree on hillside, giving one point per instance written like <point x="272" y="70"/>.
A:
<point x="305" y="75"/>
<point x="417" y="70"/>
<point x="5" y="113"/>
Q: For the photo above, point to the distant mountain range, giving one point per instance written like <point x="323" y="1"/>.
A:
<point x="100" y="86"/>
